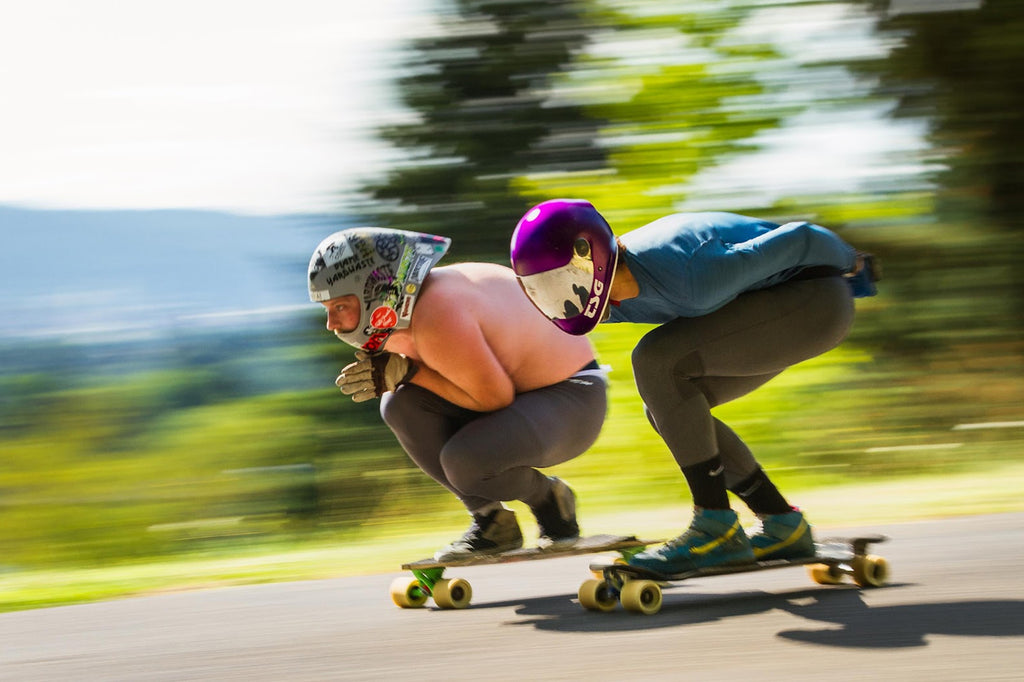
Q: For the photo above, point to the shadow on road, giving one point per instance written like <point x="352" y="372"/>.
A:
<point x="906" y="625"/>
<point x="848" y="621"/>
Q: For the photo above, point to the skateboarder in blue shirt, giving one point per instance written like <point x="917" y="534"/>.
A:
<point x="738" y="300"/>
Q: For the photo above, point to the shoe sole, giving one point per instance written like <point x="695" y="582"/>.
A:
<point x="561" y="543"/>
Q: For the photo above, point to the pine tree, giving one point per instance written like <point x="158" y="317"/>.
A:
<point x="485" y="114"/>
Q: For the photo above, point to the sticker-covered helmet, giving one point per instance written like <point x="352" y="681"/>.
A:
<point x="385" y="268"/>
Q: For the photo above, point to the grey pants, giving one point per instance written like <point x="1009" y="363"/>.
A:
<point x="486" y="457"/>
<point x="688" y="366"/>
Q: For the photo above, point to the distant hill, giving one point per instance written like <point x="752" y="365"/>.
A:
<point x="75" y="273"/>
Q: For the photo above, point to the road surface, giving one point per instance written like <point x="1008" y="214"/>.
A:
<point x="954" y="611"/>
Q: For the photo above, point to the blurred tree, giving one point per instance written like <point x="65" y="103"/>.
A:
<point x="485" y="113"/>
<point x="960" y="70"/>
<point x="680" y="90"/>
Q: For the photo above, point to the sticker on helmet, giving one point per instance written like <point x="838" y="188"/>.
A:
<point x="595" y="299"/>
<point x="384" y="317"/>
<point x="337" y="251"/>
<point x="378" y="286"/>
<point x="418" y="269"/>
<point x="388" y="246"/>
<point x="376" y="341"/>
<point x="407" y="303"/>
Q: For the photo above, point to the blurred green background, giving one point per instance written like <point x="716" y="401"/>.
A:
<point x="232" y="446"/>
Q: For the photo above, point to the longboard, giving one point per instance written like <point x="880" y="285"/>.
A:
<point x="428" y="579"/>
<point x="639" y="589"/>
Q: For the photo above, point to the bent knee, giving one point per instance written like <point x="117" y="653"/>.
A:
<point x="399" y="406"/>
<point x="652" y="364"/>
<point x="465" y="470"/>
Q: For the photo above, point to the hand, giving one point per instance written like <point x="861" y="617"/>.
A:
<point x="371" y="376"/>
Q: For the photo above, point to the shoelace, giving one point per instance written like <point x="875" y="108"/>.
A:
<point x="683" y="539"/>
<point x="474" y="528"/>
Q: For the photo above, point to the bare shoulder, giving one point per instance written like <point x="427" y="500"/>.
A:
<point x="465" y="283"/>
<point x="473" y="272"/>
<point x="454" y="298"/>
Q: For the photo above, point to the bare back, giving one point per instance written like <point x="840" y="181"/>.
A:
<point x="475" y="327"/>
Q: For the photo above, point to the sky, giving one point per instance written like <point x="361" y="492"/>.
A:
<point x="268" y="107"/>
<point x="249" y="106"/>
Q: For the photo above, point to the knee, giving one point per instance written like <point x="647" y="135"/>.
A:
<point x="463" y="468"/>
<point x="653" y="368"/>
<point x="651" y="420"/>
<point x="397" y="407"/>
<point x="647" y="367"/>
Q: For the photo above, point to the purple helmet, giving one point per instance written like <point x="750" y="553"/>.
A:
<point x="564" y="254"/>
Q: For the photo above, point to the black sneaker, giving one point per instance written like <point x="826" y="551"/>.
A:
<point x="489" y="534"/>
<point x="556" y="517"/>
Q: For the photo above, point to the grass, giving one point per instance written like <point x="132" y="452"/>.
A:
<point x="904" y="499"/>
<point x="853" y="439"/>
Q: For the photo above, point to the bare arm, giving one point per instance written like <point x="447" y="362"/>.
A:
<point x="457" y="363"/>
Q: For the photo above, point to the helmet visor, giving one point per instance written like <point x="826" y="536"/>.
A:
<point x="561" y="293"/>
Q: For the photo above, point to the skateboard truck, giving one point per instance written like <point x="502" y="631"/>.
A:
<point x="429" y="582"/>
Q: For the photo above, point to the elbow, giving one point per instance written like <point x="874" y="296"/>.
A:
<point x="804" y="232"/>
<point x="492" y="401"/>
<point x="822" y="246"/>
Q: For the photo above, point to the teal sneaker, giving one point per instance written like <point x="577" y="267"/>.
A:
<point x="782" y="536"/>
<point x="714" y="538"/>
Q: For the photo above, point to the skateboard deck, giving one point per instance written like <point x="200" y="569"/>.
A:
<point x="639" y="589"/>
<point x="428" y="579"/>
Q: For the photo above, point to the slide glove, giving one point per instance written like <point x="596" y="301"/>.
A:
<point x="371" y="376"/>
<point x="862" y="280"/>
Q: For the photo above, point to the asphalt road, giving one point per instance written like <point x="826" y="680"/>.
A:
<point x="954" y="611"/>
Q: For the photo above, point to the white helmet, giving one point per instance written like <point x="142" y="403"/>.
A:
<point x="384" y="268"/>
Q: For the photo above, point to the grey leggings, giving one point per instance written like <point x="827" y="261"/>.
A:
<point x="486" y="457"/>
<point x="688" y="366"/>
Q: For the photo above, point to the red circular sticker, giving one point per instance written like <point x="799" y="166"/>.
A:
<point x="384" y="317"/>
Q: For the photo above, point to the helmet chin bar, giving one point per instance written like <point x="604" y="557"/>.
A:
<point x="560" y="293"/>
<point x="571" y="297"/>
<point x="375" y="339"/>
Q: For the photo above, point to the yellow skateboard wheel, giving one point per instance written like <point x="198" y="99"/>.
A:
<point x="825" y="574"/>
<point x="452" y="593"/>
<point x="595" y="595"/>
<point x="641" y="596"/>
<point x="870" y="570"/>
<point x="408" y="593"/>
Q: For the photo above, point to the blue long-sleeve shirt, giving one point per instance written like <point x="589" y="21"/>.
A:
<point x="691" y="264"/>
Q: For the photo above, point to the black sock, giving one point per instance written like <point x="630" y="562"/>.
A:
<point x="761" y="495"/>
<point x="707" y="483"/>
